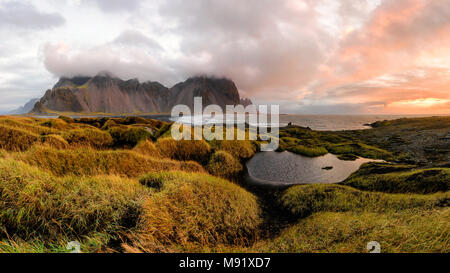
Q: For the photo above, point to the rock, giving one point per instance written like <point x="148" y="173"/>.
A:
<point x="106" y="93"/>
<point x="246" y="102"/>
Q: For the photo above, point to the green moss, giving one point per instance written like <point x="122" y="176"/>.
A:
<point x="359" y="149"/>
<point x="303" y="200"/>
<point x="406" y="231"/>
<point x="388" y="179"/>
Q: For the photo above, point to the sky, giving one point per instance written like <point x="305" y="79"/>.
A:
<point x="308" y="56"/>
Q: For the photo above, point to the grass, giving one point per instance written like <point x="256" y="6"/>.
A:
<point x="122" y="184"/>
<point x="127" y="136"/>
<point x="89" y="162"/>
<point x="194" y="212"/>
<point x="423" y="181"/>
<point x="310" y="143"/>
<point x="342" y="232"/>
<point x="240" y="149"/>
<point x="35" y="204"/>
<point x="183" y="150"/>
<point x="147" y="148"/>
<point x="55" y="141"/>
<point x="16" y="139"/>
<point x="359" y="149"/>
<point x="88" y="137"/>
<point x="304" y="200"/>
<point x="224" y="165"/>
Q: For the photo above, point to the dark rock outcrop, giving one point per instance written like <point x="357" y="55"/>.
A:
<point x="246" y="102"/>
<point x="108" y="94"/>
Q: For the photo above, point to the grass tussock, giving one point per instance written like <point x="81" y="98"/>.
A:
<point x="89" y="162"/>
<point x="27" y="124"/>
<point x="147" y="148"/>
<point x="55" y="141"/>
<point x="16" y="139"/>
<point x="35" y="204"/>
<point x="88" y="137"/>
<point x="128" y="136"/>
<point x="304" y="200"/>
<point x="399" y="179"/>
<point x="224" y="165"/>
<point x="184" y="150"/>
<point x="407" y="231"/>
<point x="241" y="149"/>
<point x="58" y="124"/>
<point x="194" y="212"/>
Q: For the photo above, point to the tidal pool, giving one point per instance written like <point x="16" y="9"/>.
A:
<point x="286" y="168"/>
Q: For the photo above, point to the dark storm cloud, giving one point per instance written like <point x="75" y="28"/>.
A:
<point x="24" y="15"/>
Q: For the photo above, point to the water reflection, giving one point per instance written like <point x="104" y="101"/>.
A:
<point x="285" y="168"/>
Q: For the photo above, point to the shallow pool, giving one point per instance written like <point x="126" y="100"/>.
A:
<point x="286" y="168"/>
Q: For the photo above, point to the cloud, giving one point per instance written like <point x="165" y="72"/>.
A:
<point x="365" y="56"/>
<point x="135" y="38"/>
<point x="124" y="61"/>
<point x="262" y="45"/>
<point x="25" y="15"/>
<point x="116" y="5"/>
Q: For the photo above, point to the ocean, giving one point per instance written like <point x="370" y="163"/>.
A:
<point x="315" y="122"/>
<point x="318" y="122"/>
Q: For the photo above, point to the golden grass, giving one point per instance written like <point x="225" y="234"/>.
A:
<point x="241" y="149"/>
<point x="147" y="148"/>
<point x="27" y="124"/>
<point x="88" y="137"/>
<point x="35" y="204"/>
<point x="194" y="212"/>
<point x="128" y="136"/>
<point x="196" y="150"/>
<point x="16" y="139"/>
<point x="55" y="141"/>
<point x="224" y="165"/>
<point x="87" y="161"/>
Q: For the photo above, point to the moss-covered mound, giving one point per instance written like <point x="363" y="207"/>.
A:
<point x="406" y="231"/>
<point x="399" y="179"/>
<point x="303" y="200"/>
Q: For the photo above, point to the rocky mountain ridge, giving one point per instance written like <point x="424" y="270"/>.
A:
<point x="106" y="93"/>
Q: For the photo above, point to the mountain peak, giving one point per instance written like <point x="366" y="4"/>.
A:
<point x="107" y="93"/>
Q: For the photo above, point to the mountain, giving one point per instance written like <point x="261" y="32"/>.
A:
<point x="24" y="109"/>
<point x="108" y="94"/>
